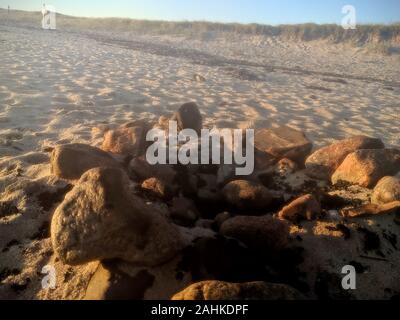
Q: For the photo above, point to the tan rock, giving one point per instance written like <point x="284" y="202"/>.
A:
<point x="72" y="160"/>
<point x="218" y="290"/>
<point x="265" y="233"/>
<point x="110" y="283"/>
<point x="247" y="194"/>
<point x="367" y="167"/>
<point x="101" y="219"/>
<point x="127" y="140"/>
<point x="306" y="207"/>
<point x="387" y="190"/>
<point x="324" y="162"/>
<point x="373" y="210"/>
<point x="158" y="188"/>
<point x="283" y="142"/>
<point x="120" y="280"/>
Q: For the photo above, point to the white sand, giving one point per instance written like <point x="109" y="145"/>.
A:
<point x="56" y="87"/>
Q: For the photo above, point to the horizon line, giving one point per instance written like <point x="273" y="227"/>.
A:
<point x="210" y="21"/>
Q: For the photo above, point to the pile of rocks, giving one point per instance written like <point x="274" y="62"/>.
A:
<point x="157" y="229"/>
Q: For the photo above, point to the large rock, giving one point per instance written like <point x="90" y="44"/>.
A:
<point x="189" y="117"/>
<point x="387" y="190"/>
<point x="283" y="142"/>
<point x="119" y="280"/>
<point x="306" y="207"/>
<point x="367" y="167"/>
<point x="183" y="210"/>
<point x="110" y="283"/>
<point x="101" y="219"/>
<point x="244" y="194"/>
<point x="127" y="140"/>
<point x="264" y="233"/>
<point x="72" y="160"/>
<point x="324" y="162"/>
<point x="218" y="290"/>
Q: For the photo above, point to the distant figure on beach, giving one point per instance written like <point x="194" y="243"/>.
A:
<point x="44" y="14"/>
<point x="8" y="10"/>
<point x="49" y="18"/>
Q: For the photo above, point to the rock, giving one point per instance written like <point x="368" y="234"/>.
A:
<point x="205" y="224"/>
<point x="142" y="170"/>
<point x="189" y="117"/>
<point x="101" y="219"/>
<point x="387" y="190"/>
<point x="367" y="167"/>
<point x="283" y="142"/>
<point x="221" y="218"/>
<point x="264" y="233"/>
<point x="324" y="162"/>
<point x="158" y="188"/>
<point x="306" y="207"/>
<point x="208" y="196"/>
<point x="219" y="257"/>
<point x="120" y="280"/>
<point x="286" y="167"/>
<point x="247" y="195"/>
<point x="72" y="160"/>
<point x="208" y="188"/>
<point x="372" y="210"/>
<point x="218" y="290"/>
<point x="127" y="140"/>
<point x="110" y="283"/>
<point x="184" y="211"/>
<point x="263" y="163"/>
<point x="225" y="174"/>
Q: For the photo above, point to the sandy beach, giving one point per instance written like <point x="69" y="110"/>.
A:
<point x="71" y="86"/>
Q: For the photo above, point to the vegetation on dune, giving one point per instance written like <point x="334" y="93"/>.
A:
<point x="378" y="37"/>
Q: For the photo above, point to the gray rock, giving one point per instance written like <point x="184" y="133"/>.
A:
<point x="72" y="160"/>
<point x="101" y="219"/>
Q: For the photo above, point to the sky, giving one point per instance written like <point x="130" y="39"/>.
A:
<point x="245" y="11"/>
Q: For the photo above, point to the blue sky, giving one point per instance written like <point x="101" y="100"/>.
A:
<point x="246" y="11"/>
